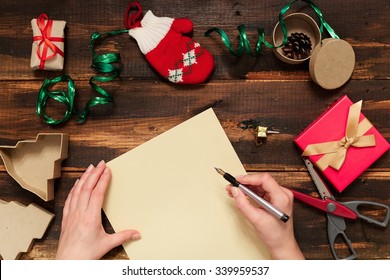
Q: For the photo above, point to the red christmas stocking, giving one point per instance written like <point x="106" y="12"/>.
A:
<point x="176" y="57"/>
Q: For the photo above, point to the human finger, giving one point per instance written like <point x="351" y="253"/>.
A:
<point x="262" y="182"/>
<point x="288" y="192"/>
<point x="118" y="238"/>
<point x="97" y="198"/>
<point x="75" y="192"/>
<point x="229" y="188"/>
<point x="90" y="184"/>
<point x="244" y="205"/>
<point x="290" y="198"/>
<point x="67" y="203"/>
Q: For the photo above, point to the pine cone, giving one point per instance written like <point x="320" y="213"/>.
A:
<point x="298" y="46"/>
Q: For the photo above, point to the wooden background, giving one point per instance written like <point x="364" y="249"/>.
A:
<point x="282" y="96"/>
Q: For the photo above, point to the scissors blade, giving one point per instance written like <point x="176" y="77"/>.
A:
<point x="321" y="187"/>
<point x="337" y="222"/>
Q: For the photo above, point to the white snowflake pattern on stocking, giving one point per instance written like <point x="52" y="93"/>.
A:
<point x="175" y="75"/>
<point x="189" y="58"/>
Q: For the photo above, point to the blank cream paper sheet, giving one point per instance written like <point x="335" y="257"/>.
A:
<point x="168" y="189"/>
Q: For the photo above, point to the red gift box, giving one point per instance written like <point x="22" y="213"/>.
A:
<point x="342" y="143"/>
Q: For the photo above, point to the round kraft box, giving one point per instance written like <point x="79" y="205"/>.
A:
<point x="296" y="23"/>
<point x="332" y="63"/>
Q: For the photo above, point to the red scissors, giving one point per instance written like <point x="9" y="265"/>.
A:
<point x="337" y="211"/>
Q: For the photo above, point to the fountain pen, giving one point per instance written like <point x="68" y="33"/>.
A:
<point x="264" y="203"/>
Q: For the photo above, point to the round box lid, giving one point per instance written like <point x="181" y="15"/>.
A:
<point x="332" y="63"/>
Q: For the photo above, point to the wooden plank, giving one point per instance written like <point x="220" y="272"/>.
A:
<point x="281" y="96"/>
<point x="143" y="110"/>
<point x="372" y="51"/>
<point x="369" y="241"/>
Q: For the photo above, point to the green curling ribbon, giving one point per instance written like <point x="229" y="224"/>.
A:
<point x="244" y="43"/>
<point x="66" y="98"/>
<point x="103" y="64"/>
<point x="243" y="40"/>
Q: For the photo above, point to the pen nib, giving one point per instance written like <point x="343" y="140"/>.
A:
<point x="220" y="171"/>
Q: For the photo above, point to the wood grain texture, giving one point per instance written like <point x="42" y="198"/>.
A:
<point x="281" y="96"/>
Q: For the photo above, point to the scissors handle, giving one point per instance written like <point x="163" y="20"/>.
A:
<point x="336" y="227"/>
<point x="354" y="206"/>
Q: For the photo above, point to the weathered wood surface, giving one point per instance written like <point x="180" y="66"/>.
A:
<point x="282" y="96"/>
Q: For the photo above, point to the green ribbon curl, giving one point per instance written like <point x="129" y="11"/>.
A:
<point x="66" y="98"/>
<point x="243" y="41"/>
<point x="103" y="64"/>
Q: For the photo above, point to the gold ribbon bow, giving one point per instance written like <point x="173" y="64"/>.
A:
<point x="335" y="152"/>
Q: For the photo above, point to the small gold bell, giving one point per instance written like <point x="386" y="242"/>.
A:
<point x="261" y="132"/>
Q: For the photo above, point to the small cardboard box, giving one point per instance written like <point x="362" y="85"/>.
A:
<point x="48" y="43"/>
<point x="19" y="226"/>
<point x="34" y="164"/>
<point x="332" y="126"/>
